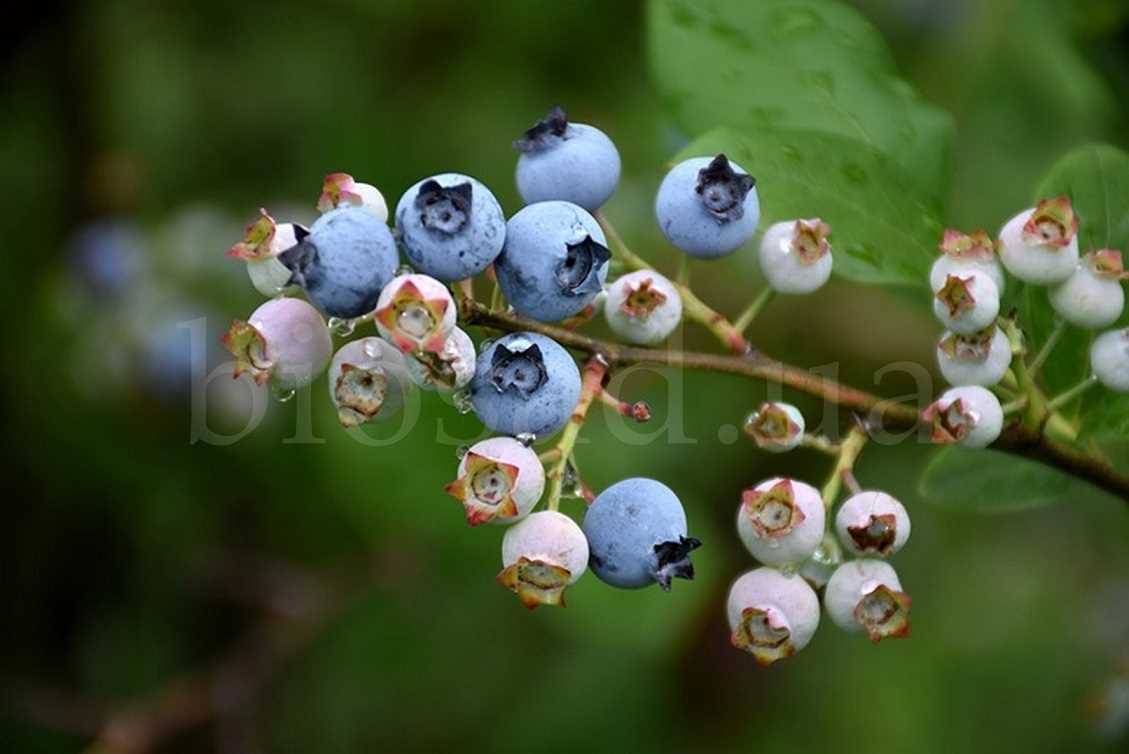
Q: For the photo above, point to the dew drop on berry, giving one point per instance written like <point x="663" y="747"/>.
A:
<point x="461" y="400"/>
<point x="526" y="438"/>
<point x="461" y="451"/>
<point x="404" y="270"/>
<point x="282" y="395"/>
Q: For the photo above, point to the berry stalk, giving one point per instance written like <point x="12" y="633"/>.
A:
<point x="843" y="472"/>
<point x="592" y="386"/>
<point x="754" y="308"/>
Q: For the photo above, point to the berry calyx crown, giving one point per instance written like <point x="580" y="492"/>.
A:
<point x="722" y="190"/>
<point x="486" y="489"/>
<point x="771" y="426"/>
<point x="672" y="560"/>
<point x="956" y="294"/>
<point x="536" y="582"/>
<point x="1052" y="223"/>
<point x="579" y="272"/>
<point x="884" y="613"/>
<point x="414" y="322"/>
<point x="359" y="394"/>
<point x="1107" y="263"/>
<point x="257" y="239"/>
<point x="974" y="347"/>
<point x="544" y="132"/>
<point x="976" y="246"/>
<point x="765" y="634"/>
<point x="809" y="240"/>
<point x="951" y="421"/>
<point x="249" y="348"/>
<point x="520" y="370"/>
<point x="338" y="189"/>
<point x="639" y="301"/>
<point x="773" y="512"/>
<point x="444" y="210"/>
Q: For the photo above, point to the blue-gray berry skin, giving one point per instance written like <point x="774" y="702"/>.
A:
<point x="707" y="207"/>
<point x="572" y="162"/>
<point x="451" y="226"/>
<point x="554" y="261"/>
<point x="636" y="532"/>
<point x="524" y="383"/>
<point x="344" y="262"/>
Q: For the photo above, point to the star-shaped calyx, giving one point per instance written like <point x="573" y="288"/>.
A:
<point x="414" y="323"/>
<point x="444" y="210"/>
<point x="956" y="294"/>
<point x="772" y="512"/>
<point x="359" y="394"/>
<point x="520" y="370"/>
<point x="486" y="489"/>
<point x="1107" y="263"/>
<point x="544" y="132"/>
<point x="977" y="246"/>
<point x="579" y="272"/>
<point x="338" y="189"/>
<point x="765" y="634"/>
<point x="723" y="190"/>
<point x="809" y="240"/>
<point x="974" y="347"/>
<point x="951" y="422"/>
<point x="884" y="613"/>
<point x="257" y="239"/>
<point x="876" y="535"/>
<point x="536" y="582"/>
<point x="1052" y="223"/>
<point x="249" y="348"/>
<point x="672" y="560"/>
<point x="771" y="426"/>
<point x="642" y="299"/>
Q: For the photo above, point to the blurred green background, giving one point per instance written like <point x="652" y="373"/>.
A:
<point x="323" y="589"/>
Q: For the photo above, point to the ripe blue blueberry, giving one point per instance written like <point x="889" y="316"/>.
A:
<point x="344" y="262"/>
<point x="554" y="262"/>
<point x="451" y="226"/>
<point x="572" y="162"/>
<point x="525" y="383"/>
<point x="636" y="532"/>
<point x="707" y="207"/>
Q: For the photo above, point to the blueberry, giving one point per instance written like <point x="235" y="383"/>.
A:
<point x="451" y="226"/>
<point x="525" y="383"/>
<point x="707" y="207"/>
<point x="636" y="533"/>
<point x="554" y="261"/>
<point x="573" y="162"/>
<point x="344" y="262"/>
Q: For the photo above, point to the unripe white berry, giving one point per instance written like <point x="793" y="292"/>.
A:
<point x="449" y="369"/>
<point x="643" y="307"/>
<point x="368" y="380"/>
<point x="1109" y="358"/>
<point x="776" y="427"/>
<point x="872" y="524"/>
<point x="982" y="358"/>
<point x="961" y="253"/>
<point x="795" y="255"/>
<point x="967" y="302"/>
<point x="1092" y="297"/>
<point x="415" y="313"/>
<point x="499" y="481"/>
<point x="968" y="415"/>
<point x="541" y="555"/>
<point x="262" y="242"/>
<point x="1040" y="245"/>
<point x="341" y="190"/>
<point x="771" y="615"/>
<point x="781" y="521"/>
<point x="865" y="595"/>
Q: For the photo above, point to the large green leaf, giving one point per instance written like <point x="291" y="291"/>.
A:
<point x="807" y="65"/>
<point x="989" y="481"/>
<point x="882" y="231"/>
<point x="1096" y="178"/>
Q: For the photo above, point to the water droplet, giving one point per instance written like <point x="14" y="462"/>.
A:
<point x="485" y="344"/>
<point x="282" y="395"/>
<point x="772" y="543"/>
<point x="461" y="451"/>
<point x="371" y="349"/>
<point x="526" y="438"/>
<point x="789" y="569"/>
<point x="461" y="400"/>
<point x="404" y="270"/>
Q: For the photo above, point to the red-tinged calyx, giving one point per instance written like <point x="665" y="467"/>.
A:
<point x="977" y="246"/>
<point x="359" y="394"/>
<point x="338" y="189"/>
<point x="809" y="240"/>
<point x="772" y="512"/>
<point x="249" y="348"/>
<point x="413" y="322"/>
<point x="877" y="535"/>
<point x="884" y="613"/>
<point x="1107" y="263"/>
<point x="764" y="634"/>
<point x="956" y="294"/>
<point x="440" y="373"/>
<point x="642" y="299"/>
<point x="1052" y="223"/>
<point x="257" y="239"/>
<point x="772" y="427"/>
<point x="951" y="421"/>
<point x="485" y="489"/>
<point x="975" y="347"/>
<point x="536" y="582"/>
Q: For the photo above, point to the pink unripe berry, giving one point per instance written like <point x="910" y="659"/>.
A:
<point x="1092" y="297"/>
<point x="500" y="480"/>
<point x="967" y="302"/>
<point x="865" y="595"/>
<point x="262" y="242"/>
<point x="341" y="190"/>
<point x="1109" y="358"/>
<point x="451" y="368"/>
<point x="968" y="415"/>
<point x="1040" y="245"/>
<point x="776" y="427"/>
<point x="643" y="307"/>
<point x="771" y="615"/>
<point x="368" y="379"/>
<point x="415" y="313"/>
<point x="780" y="521"/>
<point x="284" y="341"/>
<point x="872" y="524"/>
<point x="982" y="358"/>
<point x="541" y="555"/>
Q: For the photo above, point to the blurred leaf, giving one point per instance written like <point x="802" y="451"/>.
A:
<point x="989" y="481"/>
<point x="883" y="233"/>
<point x="811" y="65"/>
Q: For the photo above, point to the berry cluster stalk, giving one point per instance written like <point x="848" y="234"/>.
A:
<point x="593" y="385"/>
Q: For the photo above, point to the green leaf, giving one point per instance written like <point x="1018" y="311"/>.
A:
<point x="1096" y="178"/>
<point x="989" y="481"/>
<point x="808" y="65"/>
<point x="882" y="231"/>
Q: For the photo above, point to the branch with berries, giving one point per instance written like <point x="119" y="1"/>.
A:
<point x="548" y="264"/>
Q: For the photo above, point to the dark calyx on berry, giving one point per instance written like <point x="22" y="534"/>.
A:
<point x="446" y="210"/>
<point x="673" y="560"/>
<point x="579" y="273"/>
<point x="302" y="261"/>
<point x="543" y="133"/>
<point x="723" y="190"/>
<point x="522" y="371"/>
<point x="877" y="535"/>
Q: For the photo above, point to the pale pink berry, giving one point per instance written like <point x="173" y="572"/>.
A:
<point x="967" y="302"/>
<point x="284" y="341"/>
<point x="499" y="481"/>
<point x="776" y="427"/>
<point x="1040" y="245"/>
<point x="1109" y="358"/>
<point x="967" y="415"/>
<point x="541" y="555"/>
<point x="962" y="252"/>
<point x="451" y="368"/>
<point x="981" y="358"/>
<point x="780" y="521"/>
<point x="341" y="190"/>
<point x="368" y="381"/>
<point x="415" y="313"/>
<point x="872" y="524"/>
<point x="643" y="307"/>
<point x="865" y="595"/>
<point x="771" y="615"/>
<point x="1092" y="297"/>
